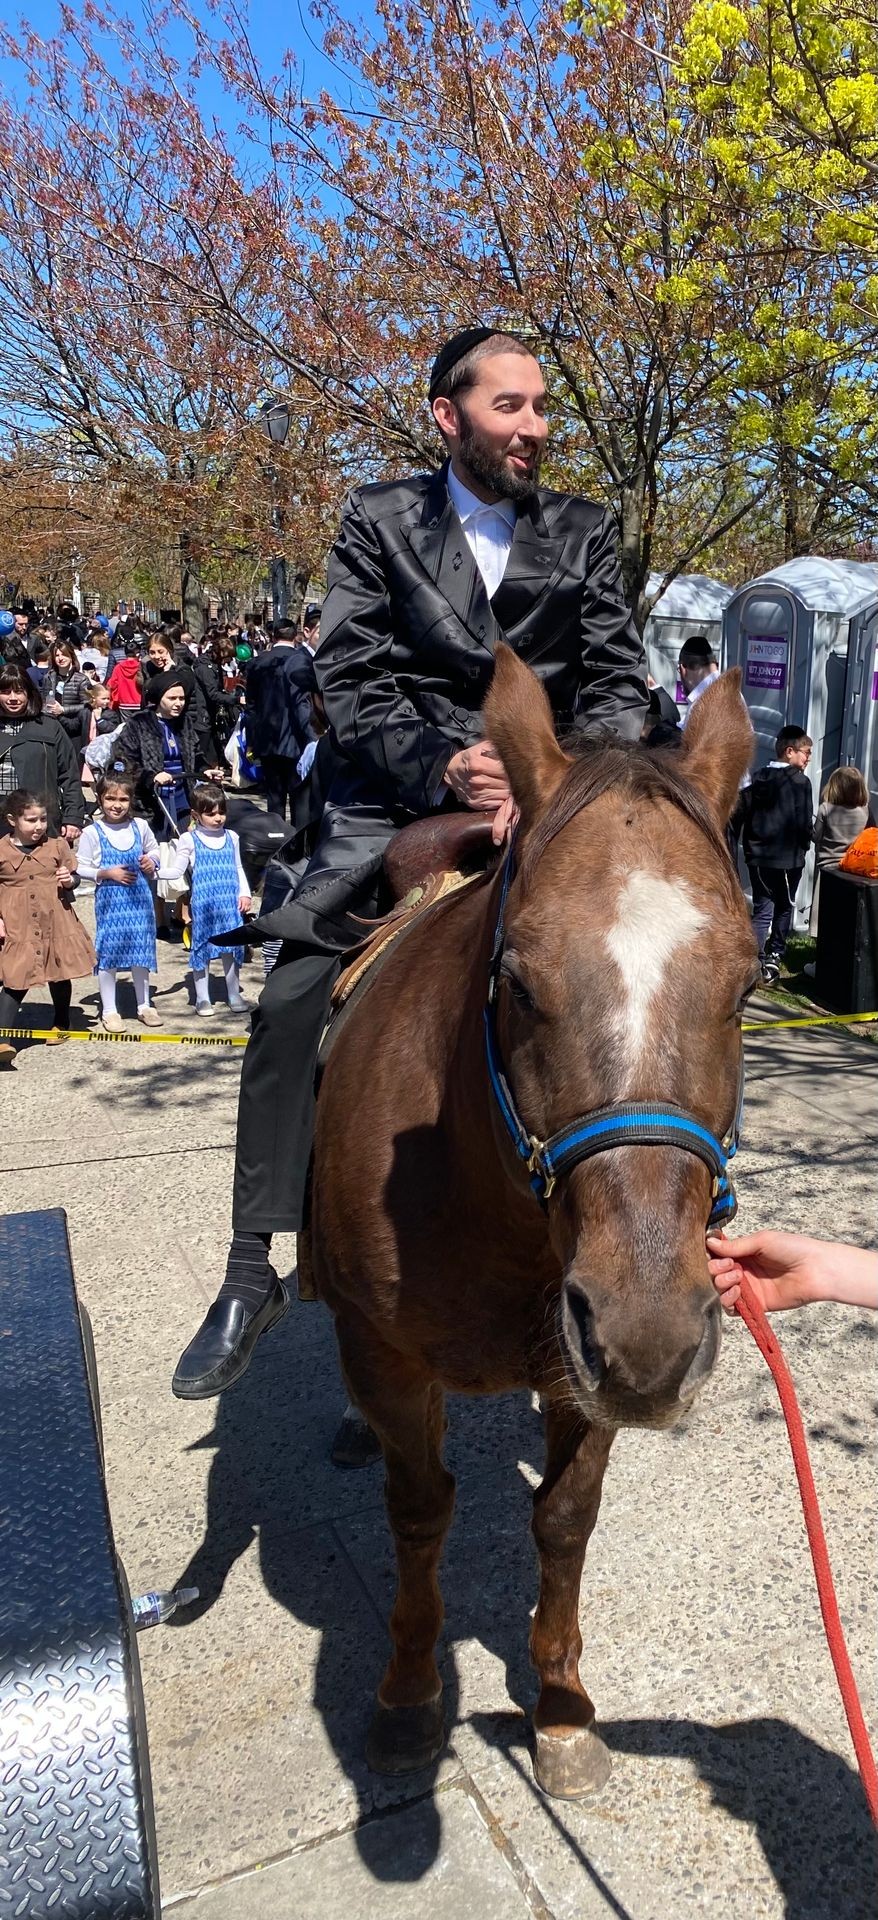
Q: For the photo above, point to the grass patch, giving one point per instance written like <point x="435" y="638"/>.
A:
<point x="795" y="989"/>
<point x="801" y="950"/>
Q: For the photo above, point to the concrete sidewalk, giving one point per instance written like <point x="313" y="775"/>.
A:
<point x="733" y="1791"/>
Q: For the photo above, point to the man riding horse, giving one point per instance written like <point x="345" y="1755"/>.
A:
<point x="427" y="575"/>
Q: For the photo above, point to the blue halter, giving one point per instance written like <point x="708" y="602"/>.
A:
<point x="629" y="1123"/>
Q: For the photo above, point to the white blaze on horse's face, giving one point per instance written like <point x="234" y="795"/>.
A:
<point x="655" y="918"/>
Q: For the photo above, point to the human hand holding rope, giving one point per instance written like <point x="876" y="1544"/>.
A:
<point x="791" y="1270"/>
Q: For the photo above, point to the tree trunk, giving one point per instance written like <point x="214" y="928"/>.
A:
<point x="191" y="598"/>
<point x="231" y="603"/>
<point x="796" y="531"/>
<point x="298" y="590"/>
<point x="632" y="556"/>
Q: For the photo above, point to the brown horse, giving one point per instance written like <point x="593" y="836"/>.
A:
<point x="626" y="958"/>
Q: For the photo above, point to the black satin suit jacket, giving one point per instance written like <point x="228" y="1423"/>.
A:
<point x="407" y="635"/>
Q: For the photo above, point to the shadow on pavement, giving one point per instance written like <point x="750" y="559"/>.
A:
<point x="269" y="1481"/>
<point x="805" y="1803"/>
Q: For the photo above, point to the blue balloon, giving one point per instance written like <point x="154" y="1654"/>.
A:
<point x="7" y="622"/>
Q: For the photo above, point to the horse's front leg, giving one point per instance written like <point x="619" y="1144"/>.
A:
<point x="407" y="1413"/>
<point x="570" y="1760"/>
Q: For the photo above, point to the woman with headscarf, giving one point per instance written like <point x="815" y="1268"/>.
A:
<point x="162" y="653"/>
<point x="161" y="745"/>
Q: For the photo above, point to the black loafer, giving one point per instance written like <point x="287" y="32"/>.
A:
<point x="223" y="1346"/>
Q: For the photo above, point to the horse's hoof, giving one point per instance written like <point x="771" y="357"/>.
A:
<point x="571" y="1766"/>
<point x="404" y="1739"/>
<point x="355" y="1445"/>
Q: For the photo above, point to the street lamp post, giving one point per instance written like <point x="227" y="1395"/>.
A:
<point x="274" y="419"/>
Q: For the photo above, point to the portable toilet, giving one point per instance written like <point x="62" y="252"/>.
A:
<point x="693" y="603"/>
<point x="792" y="632"/>
<point x="859" y="737"/>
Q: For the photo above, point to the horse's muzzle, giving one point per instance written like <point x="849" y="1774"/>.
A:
<point x="647" y="1375"/>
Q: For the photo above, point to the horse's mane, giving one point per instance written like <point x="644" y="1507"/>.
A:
<point x="640" y="774"/>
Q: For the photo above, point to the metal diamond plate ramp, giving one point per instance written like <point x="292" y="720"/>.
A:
<point x="76" y="1828"/>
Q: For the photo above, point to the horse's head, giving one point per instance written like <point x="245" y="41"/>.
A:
<point x="627" y="958"/>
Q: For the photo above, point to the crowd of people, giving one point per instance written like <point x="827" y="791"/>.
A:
<point x="116" y="747"/>
<point x="79" y="696"/>
<point x="130" y="730"/>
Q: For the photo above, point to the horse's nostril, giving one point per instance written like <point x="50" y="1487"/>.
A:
<point x="705" y="1357"/>
<point x="590" y="1356"/>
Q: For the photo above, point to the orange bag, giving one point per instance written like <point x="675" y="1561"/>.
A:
<point x="862" y="854"/>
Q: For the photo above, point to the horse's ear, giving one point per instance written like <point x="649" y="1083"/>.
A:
<point x="518" y="722"/>
<point x="718" y="744"/>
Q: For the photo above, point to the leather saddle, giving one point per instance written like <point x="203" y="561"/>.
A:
<point x="443" y="843"/>
<point x="422" y="863"/>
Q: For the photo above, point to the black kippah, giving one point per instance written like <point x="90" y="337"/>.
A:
<point x="696" y="652"/>
<point x="454" y="350"/>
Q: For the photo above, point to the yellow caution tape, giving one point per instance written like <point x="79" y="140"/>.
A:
<point x="128" y="1039"/>
<point x="99" y="1038"/>
<point x="812" y="1020"/>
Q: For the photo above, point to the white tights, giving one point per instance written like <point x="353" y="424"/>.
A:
<point x="202" y="981"/>
<point x="107" y="983"/>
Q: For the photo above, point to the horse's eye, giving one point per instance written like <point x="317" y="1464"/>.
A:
<point x="519" y="992"/>
<point x="746" y="995"/>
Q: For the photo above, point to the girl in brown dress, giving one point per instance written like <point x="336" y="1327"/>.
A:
<point x="41" y="941"/>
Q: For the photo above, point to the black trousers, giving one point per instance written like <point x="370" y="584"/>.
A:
<point x="280" y="780"/>
<point x="774" y="897"/>
<point x="276" y="1104"/>
<point x="207" y="747"/>
<point x="338" y="890"/>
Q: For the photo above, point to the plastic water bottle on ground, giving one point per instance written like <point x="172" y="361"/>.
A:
<point x="150" y="1609"/>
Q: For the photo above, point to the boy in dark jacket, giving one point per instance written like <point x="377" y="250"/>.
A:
<point x="776" y="815"/>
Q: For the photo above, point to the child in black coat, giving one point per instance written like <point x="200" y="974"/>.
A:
<point x="776" y="815"/>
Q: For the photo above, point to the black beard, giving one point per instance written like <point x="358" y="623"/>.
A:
<point x="492" y="470"/>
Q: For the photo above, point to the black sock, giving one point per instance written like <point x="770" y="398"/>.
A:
<point x="62" y="996"/>
<point x="248" y="1274"/>
<point x="10" y="1002"/>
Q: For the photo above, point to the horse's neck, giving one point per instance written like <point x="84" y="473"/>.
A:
<point x="467" y="962"/>
<point x="467" y="965"/>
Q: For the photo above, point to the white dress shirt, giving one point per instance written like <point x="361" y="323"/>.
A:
<point x="489" y="528"/>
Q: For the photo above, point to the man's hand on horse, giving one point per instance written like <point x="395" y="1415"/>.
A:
<point x="506" y="820"/>
<point x="477" y="776"/>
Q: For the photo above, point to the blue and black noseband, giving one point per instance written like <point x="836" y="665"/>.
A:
<point x="627" y="1124"/>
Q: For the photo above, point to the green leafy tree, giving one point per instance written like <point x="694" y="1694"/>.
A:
<point x="784" y="94"/>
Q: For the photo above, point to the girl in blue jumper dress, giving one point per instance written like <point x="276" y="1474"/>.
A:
<point x="119" y="852"/>
<point x="220" y="894"/>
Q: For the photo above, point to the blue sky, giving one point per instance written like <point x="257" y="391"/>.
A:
<point x="273" y="30"/>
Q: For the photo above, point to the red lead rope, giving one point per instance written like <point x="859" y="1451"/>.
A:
<point x="753" y="1316"/>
